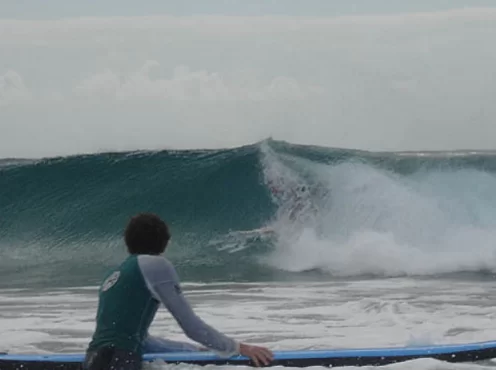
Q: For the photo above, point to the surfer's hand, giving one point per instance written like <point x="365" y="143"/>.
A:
<point x="256" y="354"/>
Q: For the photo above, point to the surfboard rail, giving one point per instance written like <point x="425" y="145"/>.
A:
<point x="472" y="352"/>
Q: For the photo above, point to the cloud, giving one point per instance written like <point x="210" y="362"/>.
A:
<point x="108" y="31"/>
<point x="185" y="84"/>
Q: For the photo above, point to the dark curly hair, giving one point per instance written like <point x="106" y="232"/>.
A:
<point x="146" y="233"/>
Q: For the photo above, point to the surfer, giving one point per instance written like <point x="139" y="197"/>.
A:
<point x="298" y="200"/>
<point x="297" y="203"/>
<point x="130" y="296"/>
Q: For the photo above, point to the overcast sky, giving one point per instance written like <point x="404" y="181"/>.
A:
<point x="384" y="75"/>
<point x="64" y="8"/>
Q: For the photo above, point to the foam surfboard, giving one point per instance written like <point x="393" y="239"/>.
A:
<point x="470" y="352"/>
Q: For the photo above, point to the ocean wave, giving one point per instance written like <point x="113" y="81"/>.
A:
<point x="360" y="213"/>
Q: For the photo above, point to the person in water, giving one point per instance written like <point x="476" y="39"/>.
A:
<point x="299" y="200"/>
<point x="129" y="298"/>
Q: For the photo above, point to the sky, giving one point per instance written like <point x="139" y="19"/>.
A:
<point x="81" y="77"/>
<point x="53" y="9"/>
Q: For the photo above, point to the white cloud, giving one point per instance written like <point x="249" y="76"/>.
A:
<point x="185" y="84"/>
<point x="163" y="29"/>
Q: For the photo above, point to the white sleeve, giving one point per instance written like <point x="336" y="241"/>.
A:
<point x="163" y="281"/>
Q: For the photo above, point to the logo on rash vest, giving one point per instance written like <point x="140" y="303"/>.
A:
<point x="110" y="281"/>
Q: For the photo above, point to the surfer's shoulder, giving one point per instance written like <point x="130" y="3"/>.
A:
<point x="155" y="265"/>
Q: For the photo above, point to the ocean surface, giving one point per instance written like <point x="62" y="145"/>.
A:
<point x="359" y="249"/>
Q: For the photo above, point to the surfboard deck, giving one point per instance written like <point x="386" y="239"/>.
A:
<point x="471" y="352"/>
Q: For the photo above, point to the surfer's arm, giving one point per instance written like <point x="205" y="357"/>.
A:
<point x="152" y="344"/>
<point x="163" y="281"/>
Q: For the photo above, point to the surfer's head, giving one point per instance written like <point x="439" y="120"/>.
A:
<point x="146" y="233"/>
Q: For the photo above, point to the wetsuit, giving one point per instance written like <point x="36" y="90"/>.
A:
<point x="128" y="301"/>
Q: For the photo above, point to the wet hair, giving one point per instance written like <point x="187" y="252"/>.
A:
<point x="146" y="233"/>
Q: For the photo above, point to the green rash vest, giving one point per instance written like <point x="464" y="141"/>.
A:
<point x="128" y="301"/>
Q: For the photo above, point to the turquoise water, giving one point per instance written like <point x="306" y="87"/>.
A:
<point x="378" y="214"/>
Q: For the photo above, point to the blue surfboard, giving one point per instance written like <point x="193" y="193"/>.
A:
<point x="471" y="352"/>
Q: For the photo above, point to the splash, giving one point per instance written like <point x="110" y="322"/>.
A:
<point x="373" y="221"/>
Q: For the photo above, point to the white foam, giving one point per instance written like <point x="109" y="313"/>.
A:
<point x="372" y="221"/>
<point x="324" y="315"/>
